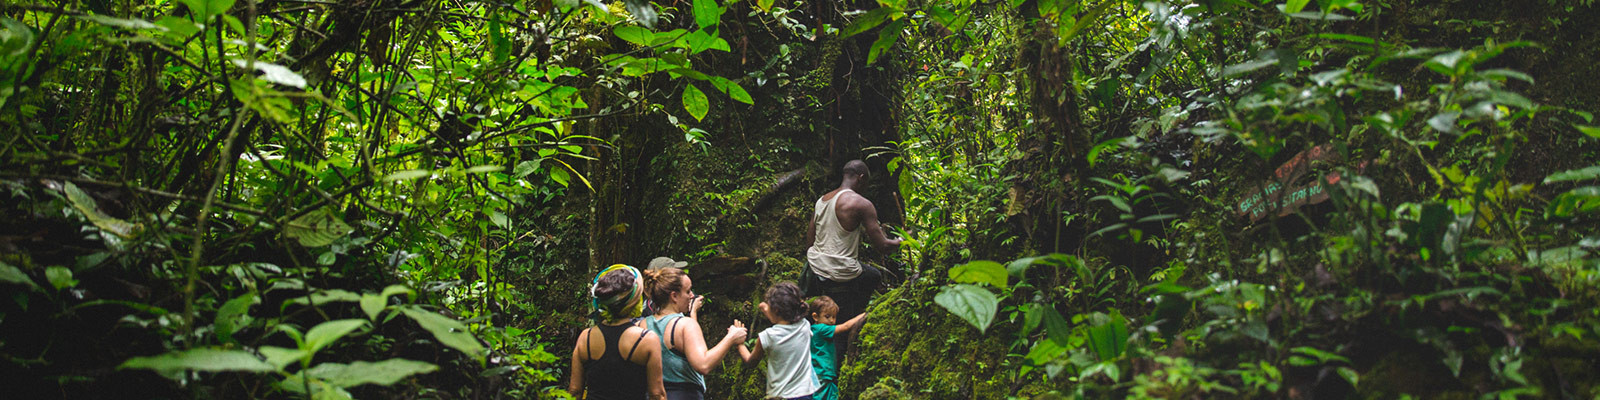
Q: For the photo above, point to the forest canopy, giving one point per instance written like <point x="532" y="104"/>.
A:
<point x="1095" y="199"/>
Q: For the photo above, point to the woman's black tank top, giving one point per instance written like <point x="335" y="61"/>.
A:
<point x="612" y="376"/>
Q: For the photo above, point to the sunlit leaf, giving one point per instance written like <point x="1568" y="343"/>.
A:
<point x="1294" y="6"/>
<point x="695" y="102"/>
<point x="317" y="228"/>
<point x="972" y="303"/>
<point x="60" y="277"/>
<point x="634" y="34"/>
<point x="203" y="359"/>
<point x="447" y="330"/>
<point x="91" y="210"/>
<point x="989" y="272"/>
<point x="886" y="39"/>
<point x="707" y="14"/>
<point x="326" y="333"/>
<point x="1591" y="131"/>
<point x="1574" y="175"/>
<point x="407" y="175"/>
<point x="867" y="21"/>
<point x="385" y="372"/>
<point x="12" y="274"/>
<point x="234" y="315"/>
<point x="280" y="357"/>
<point x="134" y="23"/>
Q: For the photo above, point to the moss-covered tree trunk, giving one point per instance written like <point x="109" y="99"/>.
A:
<point x="1053" y="145"/>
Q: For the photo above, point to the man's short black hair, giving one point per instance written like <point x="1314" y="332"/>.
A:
<point x="855" y="167"/>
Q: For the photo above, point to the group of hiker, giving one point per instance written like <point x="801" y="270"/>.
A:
<point x="662" y="353"/>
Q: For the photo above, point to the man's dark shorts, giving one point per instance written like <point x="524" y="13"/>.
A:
<point x="851" y="296"/>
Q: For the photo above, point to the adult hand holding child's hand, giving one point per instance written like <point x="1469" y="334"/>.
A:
<point x="737" y="331"/>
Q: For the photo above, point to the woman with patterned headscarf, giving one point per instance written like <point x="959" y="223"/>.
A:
<point x="615" y="359"/>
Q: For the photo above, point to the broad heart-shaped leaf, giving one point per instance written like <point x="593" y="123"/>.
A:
<point x="765" y="5"/>
<point x="635" y="35"/>
<point x="326" y="333"/>
<point x="317" y="228"/>
<point x="972" y="303"/>
<point x="204" y="359"/>
<point x="385" y="372"/>
<point x="695" y="102"/>
<point x="707" y="14"/>
<point x="449" y="331"/>
<point x="11" y="274"/>
<point x="989" y="272"/>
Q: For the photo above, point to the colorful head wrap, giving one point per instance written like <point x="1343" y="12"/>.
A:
<point x="629" y="304"/>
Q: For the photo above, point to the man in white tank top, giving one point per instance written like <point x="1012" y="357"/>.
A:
<point x="835" y="235"/>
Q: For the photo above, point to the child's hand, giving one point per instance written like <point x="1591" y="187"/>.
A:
<point x="737" y="332"/>
<point x="695" y="303"/>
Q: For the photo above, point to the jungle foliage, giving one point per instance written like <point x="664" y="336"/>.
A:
<point x="1186" y="199"/>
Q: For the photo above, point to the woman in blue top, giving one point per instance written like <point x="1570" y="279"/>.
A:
<point x="684" y="357"/>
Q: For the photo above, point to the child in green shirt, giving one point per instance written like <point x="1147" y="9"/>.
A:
<point x="823" y="355"/>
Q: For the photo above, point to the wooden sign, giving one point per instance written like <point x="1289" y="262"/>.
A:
<point x="1282" y="195"/>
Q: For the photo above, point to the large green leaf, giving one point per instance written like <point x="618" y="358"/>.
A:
<point x="91" y="210"/>
<point x="280" y="357"/>
<point x="134" y="23"/>
<point x="447" y="330"/>
<point x="9" y="273"/>
<point x="868" y="21"/>
<point x="1108" y="335"/>
<point x="695" y="102"/>
<point x="385" y="372"/>
<point x="60" y="277"/>
<point x="1574" y="175"/>
<point x="204" y="9"/>
<point x="204" y="359"/>
<point x="233" y="315"/>
<point x="274" y="73"/>
<point x="972" y="303"/>
<point x="1576" y="201"/>
<point x="886" y="39"/>
<point x="635" y="35"/>
<point x="707" y="14"/>
<point x="732" y="89"/>
<point x="317" y="228"/>
<point x="326" y="333"/>
<point x="989" y="272"/>
<point x="1294" y="6"/>
<point x="1056" y="327"/>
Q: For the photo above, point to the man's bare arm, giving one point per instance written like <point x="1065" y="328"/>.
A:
<point x="869" y="218"/>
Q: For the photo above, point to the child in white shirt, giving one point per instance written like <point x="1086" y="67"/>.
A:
<point x="788" y="342"/>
